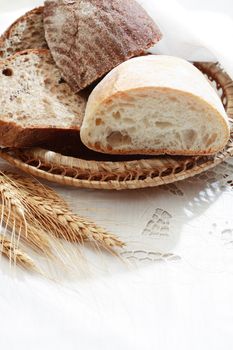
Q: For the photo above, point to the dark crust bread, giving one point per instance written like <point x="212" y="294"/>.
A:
<point x="32" y="38"/>
<point x="14" y="135"/>
<point x="89" y="38"/>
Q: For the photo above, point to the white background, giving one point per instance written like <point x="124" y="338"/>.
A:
<point x="184" y="300"/>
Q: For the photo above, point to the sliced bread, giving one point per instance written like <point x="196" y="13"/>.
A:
<point x="90" y="37"/>
<point x="155" y="105"/>
<point x="35" y="102"/>
<point x="27" y="32"/>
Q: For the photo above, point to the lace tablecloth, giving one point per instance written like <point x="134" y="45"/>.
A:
<point x="174" y="292"/>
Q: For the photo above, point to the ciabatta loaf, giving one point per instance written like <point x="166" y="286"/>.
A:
<point x="35" y="102"/>
<point x="88" y="38"/>
<point x="27" y="32"/>
<point x="155" y="105"/>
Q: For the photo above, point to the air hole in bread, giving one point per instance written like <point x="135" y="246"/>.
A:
<point x="211" y="140"/>
<point x="61" y="81"/>
<point x="116" y="115"/>
<point x="163" y="125"/>
<point x="99" y="121"/>
<point x="189" y="137"/>
<point x="97" y="146"/>
<point x="7" y="72"/>
<point x="117" y="138"/>
<point x="108" y="102"/>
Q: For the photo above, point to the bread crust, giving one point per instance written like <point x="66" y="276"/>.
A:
<point x="8" y="33"/>
<point x="154" y="152"/>
<point x="38" y="11"/>
<point x="14" y="135"/>
<point x="133" y="77"/>
<point x="90" y="37"/>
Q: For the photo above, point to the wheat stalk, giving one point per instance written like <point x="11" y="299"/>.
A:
<point x="10" y="197"/>
<point x="13" y="211"/>
<point x="32" y="235"/>
<point x="16" y="255"/>
<point x="52" y="215"/>
<point x="34" y="188"/>
<point x="40" y="208"/>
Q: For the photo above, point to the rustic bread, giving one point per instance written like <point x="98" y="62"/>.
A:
<point x="35" y="102"/>
<point x="155" y="105"/>
<point x="88" y="38"/>
<point x="25" y="33"/>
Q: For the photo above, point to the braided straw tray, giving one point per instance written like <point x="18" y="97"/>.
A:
<point x="129" y="173"/>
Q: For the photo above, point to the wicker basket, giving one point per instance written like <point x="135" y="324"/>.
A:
<point x="127" y="174"/>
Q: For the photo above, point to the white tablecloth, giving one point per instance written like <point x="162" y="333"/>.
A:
<point x="175" y="293"/>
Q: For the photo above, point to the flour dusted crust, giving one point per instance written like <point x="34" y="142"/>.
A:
<point x="155" y="105"/>
<point x="88" y="38"/>
<point x="27" y="32"/>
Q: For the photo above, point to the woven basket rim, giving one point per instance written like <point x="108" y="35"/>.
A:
<point x="131" y="174"/>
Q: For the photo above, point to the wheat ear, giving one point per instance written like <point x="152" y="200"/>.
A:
<point x="34" y="188"/>
<point x="71" y="227"/>
<point x="35" y="237"/>
<point x="28" y="229"/>
<point x="95" y="233"/>
<point x="50" y="212"/>
<point x="10" y="197"/>
<point x="55" y="218"/>
<point x="16" y="255"/>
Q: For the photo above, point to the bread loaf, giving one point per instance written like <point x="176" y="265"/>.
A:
<point x="35" y="102"/>
<point x="88" y="38"/>
<point x="25" y="33"/>
<point x="155" y="105"/>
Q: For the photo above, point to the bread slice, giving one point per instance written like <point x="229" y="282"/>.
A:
<point x="155" y="105"/>
<point x="27" y="32"/>
<point x="35" y="102"/>
<point x="90" y="37"/>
